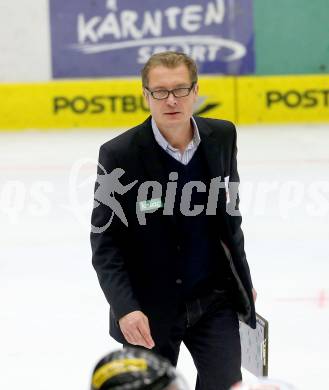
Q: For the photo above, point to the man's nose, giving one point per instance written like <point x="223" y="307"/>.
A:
<point x="171" y="100"/>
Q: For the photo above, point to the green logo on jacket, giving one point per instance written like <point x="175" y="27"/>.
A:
<point x="152" y="204"/>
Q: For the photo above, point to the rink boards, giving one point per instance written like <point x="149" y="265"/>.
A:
<point x="119" y="103"/>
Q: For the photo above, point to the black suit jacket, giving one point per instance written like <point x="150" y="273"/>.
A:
<point x="137" y="264"/>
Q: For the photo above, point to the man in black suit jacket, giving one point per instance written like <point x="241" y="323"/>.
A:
<point x="172" y="267"/>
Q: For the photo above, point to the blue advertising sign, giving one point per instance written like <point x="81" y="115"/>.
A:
<point x="110" y="38"/>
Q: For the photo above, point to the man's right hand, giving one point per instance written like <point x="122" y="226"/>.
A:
<point x="136" y="330"/>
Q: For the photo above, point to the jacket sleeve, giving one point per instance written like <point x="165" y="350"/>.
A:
<point x="107" y="252"/>
<point x="236" y="219"/>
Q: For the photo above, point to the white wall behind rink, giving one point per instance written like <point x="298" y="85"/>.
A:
<point x="24" y="41"/>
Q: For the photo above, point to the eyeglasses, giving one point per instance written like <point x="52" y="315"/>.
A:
<point x="161" y="94"/>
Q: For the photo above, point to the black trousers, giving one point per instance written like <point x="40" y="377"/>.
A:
<point x="209" y="328"/>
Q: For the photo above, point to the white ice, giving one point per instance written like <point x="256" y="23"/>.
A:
<point x="53" y="316"/>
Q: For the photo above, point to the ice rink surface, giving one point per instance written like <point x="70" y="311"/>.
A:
<point x="53" y="316"/>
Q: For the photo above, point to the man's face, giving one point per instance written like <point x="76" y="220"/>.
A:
<point x="170" y="113"/>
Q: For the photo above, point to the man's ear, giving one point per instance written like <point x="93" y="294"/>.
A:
<point x="146" y="98"/>
<point x="196" y="91"/>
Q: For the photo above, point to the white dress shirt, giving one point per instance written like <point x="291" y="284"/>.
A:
<point x="185" y="157"/>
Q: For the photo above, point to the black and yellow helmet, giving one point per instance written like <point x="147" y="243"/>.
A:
<point x="135" y="368"/>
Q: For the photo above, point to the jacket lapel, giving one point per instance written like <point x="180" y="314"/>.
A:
<point x="212" y="152"/>
<point x="210" y="148"/>
<point x="149" y="154"/>
<point x="153" y="166"/>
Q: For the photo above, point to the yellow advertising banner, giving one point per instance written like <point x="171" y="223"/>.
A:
<point x="117" y="103"/>
<point x="282" y="99"/>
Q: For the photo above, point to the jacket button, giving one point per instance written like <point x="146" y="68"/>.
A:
<point x="179" y="281"/>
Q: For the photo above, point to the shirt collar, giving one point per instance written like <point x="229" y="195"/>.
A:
<point x="194" y="143"/>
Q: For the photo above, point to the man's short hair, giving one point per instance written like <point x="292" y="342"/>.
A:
<point x="169" y="59"/>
